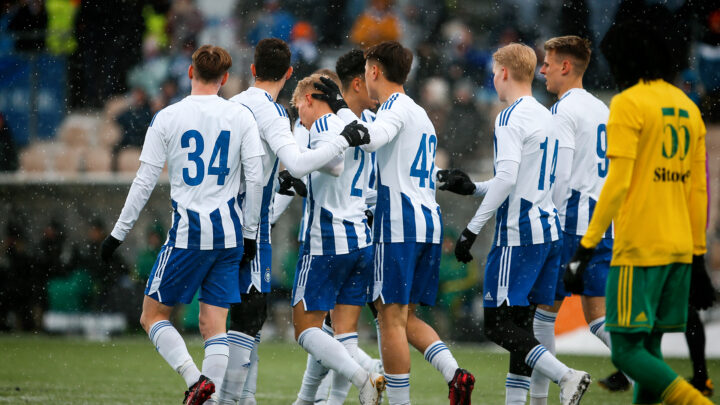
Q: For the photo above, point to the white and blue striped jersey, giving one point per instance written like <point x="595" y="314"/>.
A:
<point x="203" y="139"/>
<point x="302" y="136"/>
<point x="523" y="134"/>
<point x="579" y="121"/>
<point x="337" y="223"/>
<point x="273" y="124"/>
<point x="406" y="210"/>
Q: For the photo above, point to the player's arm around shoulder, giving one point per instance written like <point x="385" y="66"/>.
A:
<point x="328" y="132"/>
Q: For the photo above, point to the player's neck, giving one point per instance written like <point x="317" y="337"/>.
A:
<point x="322" y="111"/>
<point x="353" y="104"/>
<point x="518" y="90"/>
<point x="273" y="88"/>
<point x="200" y="88"/>
<point x="572" y="84"/>
<point x="388" y="90"/>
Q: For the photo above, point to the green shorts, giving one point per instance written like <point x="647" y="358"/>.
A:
<point x="646" y="299"/>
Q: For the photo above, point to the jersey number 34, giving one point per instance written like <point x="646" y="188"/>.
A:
<point x="222" y="146"/>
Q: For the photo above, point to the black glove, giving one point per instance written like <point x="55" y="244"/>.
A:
<point x="287" y="182"/>
<point x="463" y="245"/>
<point x="456" y="181"/>
<point x="249" y="251"/>
<point x="573" y="277"/>
<point x="370" y="216"/>
<point x="108" y="247"/>
<point x="330" y="94"/>
<point x="355" y="134"/>
<point x="702" y="292"/>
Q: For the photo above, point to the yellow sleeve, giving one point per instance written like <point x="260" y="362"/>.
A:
<point x="611" y="197"/>
<point x="623" y="127"/>
<point x="698" y="195"/>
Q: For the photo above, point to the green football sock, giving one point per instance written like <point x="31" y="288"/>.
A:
<point x="638" y="356"/>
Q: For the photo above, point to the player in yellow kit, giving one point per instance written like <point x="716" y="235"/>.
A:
<point x="656" y="192"/>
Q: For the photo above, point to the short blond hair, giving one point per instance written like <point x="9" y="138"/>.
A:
<point x="307" y="85"/>
<point x="519" y="59"/>
<point x="578" y="49"/>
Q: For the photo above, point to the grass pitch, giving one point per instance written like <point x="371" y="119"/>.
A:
<point x="41" y="369"/>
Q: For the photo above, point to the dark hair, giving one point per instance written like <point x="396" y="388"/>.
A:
<point x="575" y="47"/>
<point x="637" y="50"/>
<point x="211" y="62"/>
<point x="272" y="59"/>
<point x="394" y="59"/>
<point x="350" y="66"/>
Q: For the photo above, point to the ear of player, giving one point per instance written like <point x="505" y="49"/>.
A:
<point x="463" y="245"/>
<point x="573" y="277"/>
<point x="456" y="181"/>
<point x="356" y="134"/>
<point x="108" y="247"/>
<point x="289" y="183"/>
<point x="330" y="94"/>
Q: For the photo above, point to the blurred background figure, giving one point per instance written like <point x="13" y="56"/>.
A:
<point x="377" y="24"/>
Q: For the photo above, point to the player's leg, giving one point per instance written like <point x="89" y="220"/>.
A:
<point x="345" y="325"/>
<point x="544" y="330"/>
<point x="248" y="395"/>
<point x="155" y="319"/>
<point x="595" y="282"/>
<point x="246" y="321"/>
<point x="175" y="278"/>
<point x="309" y="310"/>
<point x="695" y="337"/>
<point x="640" y="302"/>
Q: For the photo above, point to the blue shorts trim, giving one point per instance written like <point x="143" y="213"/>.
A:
<point x="179" y="273"/>
<point x="521" y="275"/>
<point x="406" y="273"/>
<point x="257" y="272"/>
<point x="321" y="281"/>
<point x="595" y="277"/>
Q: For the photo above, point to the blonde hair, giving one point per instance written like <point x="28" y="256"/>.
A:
<point x="578" y="49"/>
<point x="307" y="85"/>
<point x="520" y="60"/>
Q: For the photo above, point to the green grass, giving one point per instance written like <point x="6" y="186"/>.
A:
<point x="41" y="369"/>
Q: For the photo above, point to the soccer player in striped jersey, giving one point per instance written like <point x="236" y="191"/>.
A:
<point x="351" y="76"/>
<point x="579" y="121"/>
<point x="335" y="268"/>
<point x="204" y="139"/>
<point x="271" y="68"/>
<point x="407" y="226"/>
<point x="522" y="265"/>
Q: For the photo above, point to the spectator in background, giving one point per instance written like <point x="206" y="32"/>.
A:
<point x="273" y="22"/>
<point x="147" y="256"/>
<point x="134" y="121"/>
<point x="180" y="59"/>
<point x="8" y="153"/>
<point x="22" y="290"/>
<point x="465" y="61"/>
<point x="48" y="262"/>
<point x="377" y="24"/>
<point x="105" y="276"/>
<point x="152" y="71"/>
<point x="29" y="26"/>
<point x="463" y="130"/>
<point x="184" y="23"/>
<point x="709" y="60"/>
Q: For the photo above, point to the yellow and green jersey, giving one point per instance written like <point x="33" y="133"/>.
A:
<point x="662" y="218"/>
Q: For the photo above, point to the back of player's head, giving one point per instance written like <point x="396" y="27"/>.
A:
<point x="519" y="59"/>
<point x="394" y="59"/>
<point x="350" y="66"/>
<point x="575" y="48"/>
<point x="329" y="73"/>
<point x="637" y="50"/>
<point x="307" y="85"/>
<point x="210" y="63"/>
<point x="272" y="59"/>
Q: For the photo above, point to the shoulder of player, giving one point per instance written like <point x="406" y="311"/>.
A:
<point x="396" y="102"/>
<point x="327" y="123"/>
<point x="521" y="109"/>
<point x="367" y="116"/>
